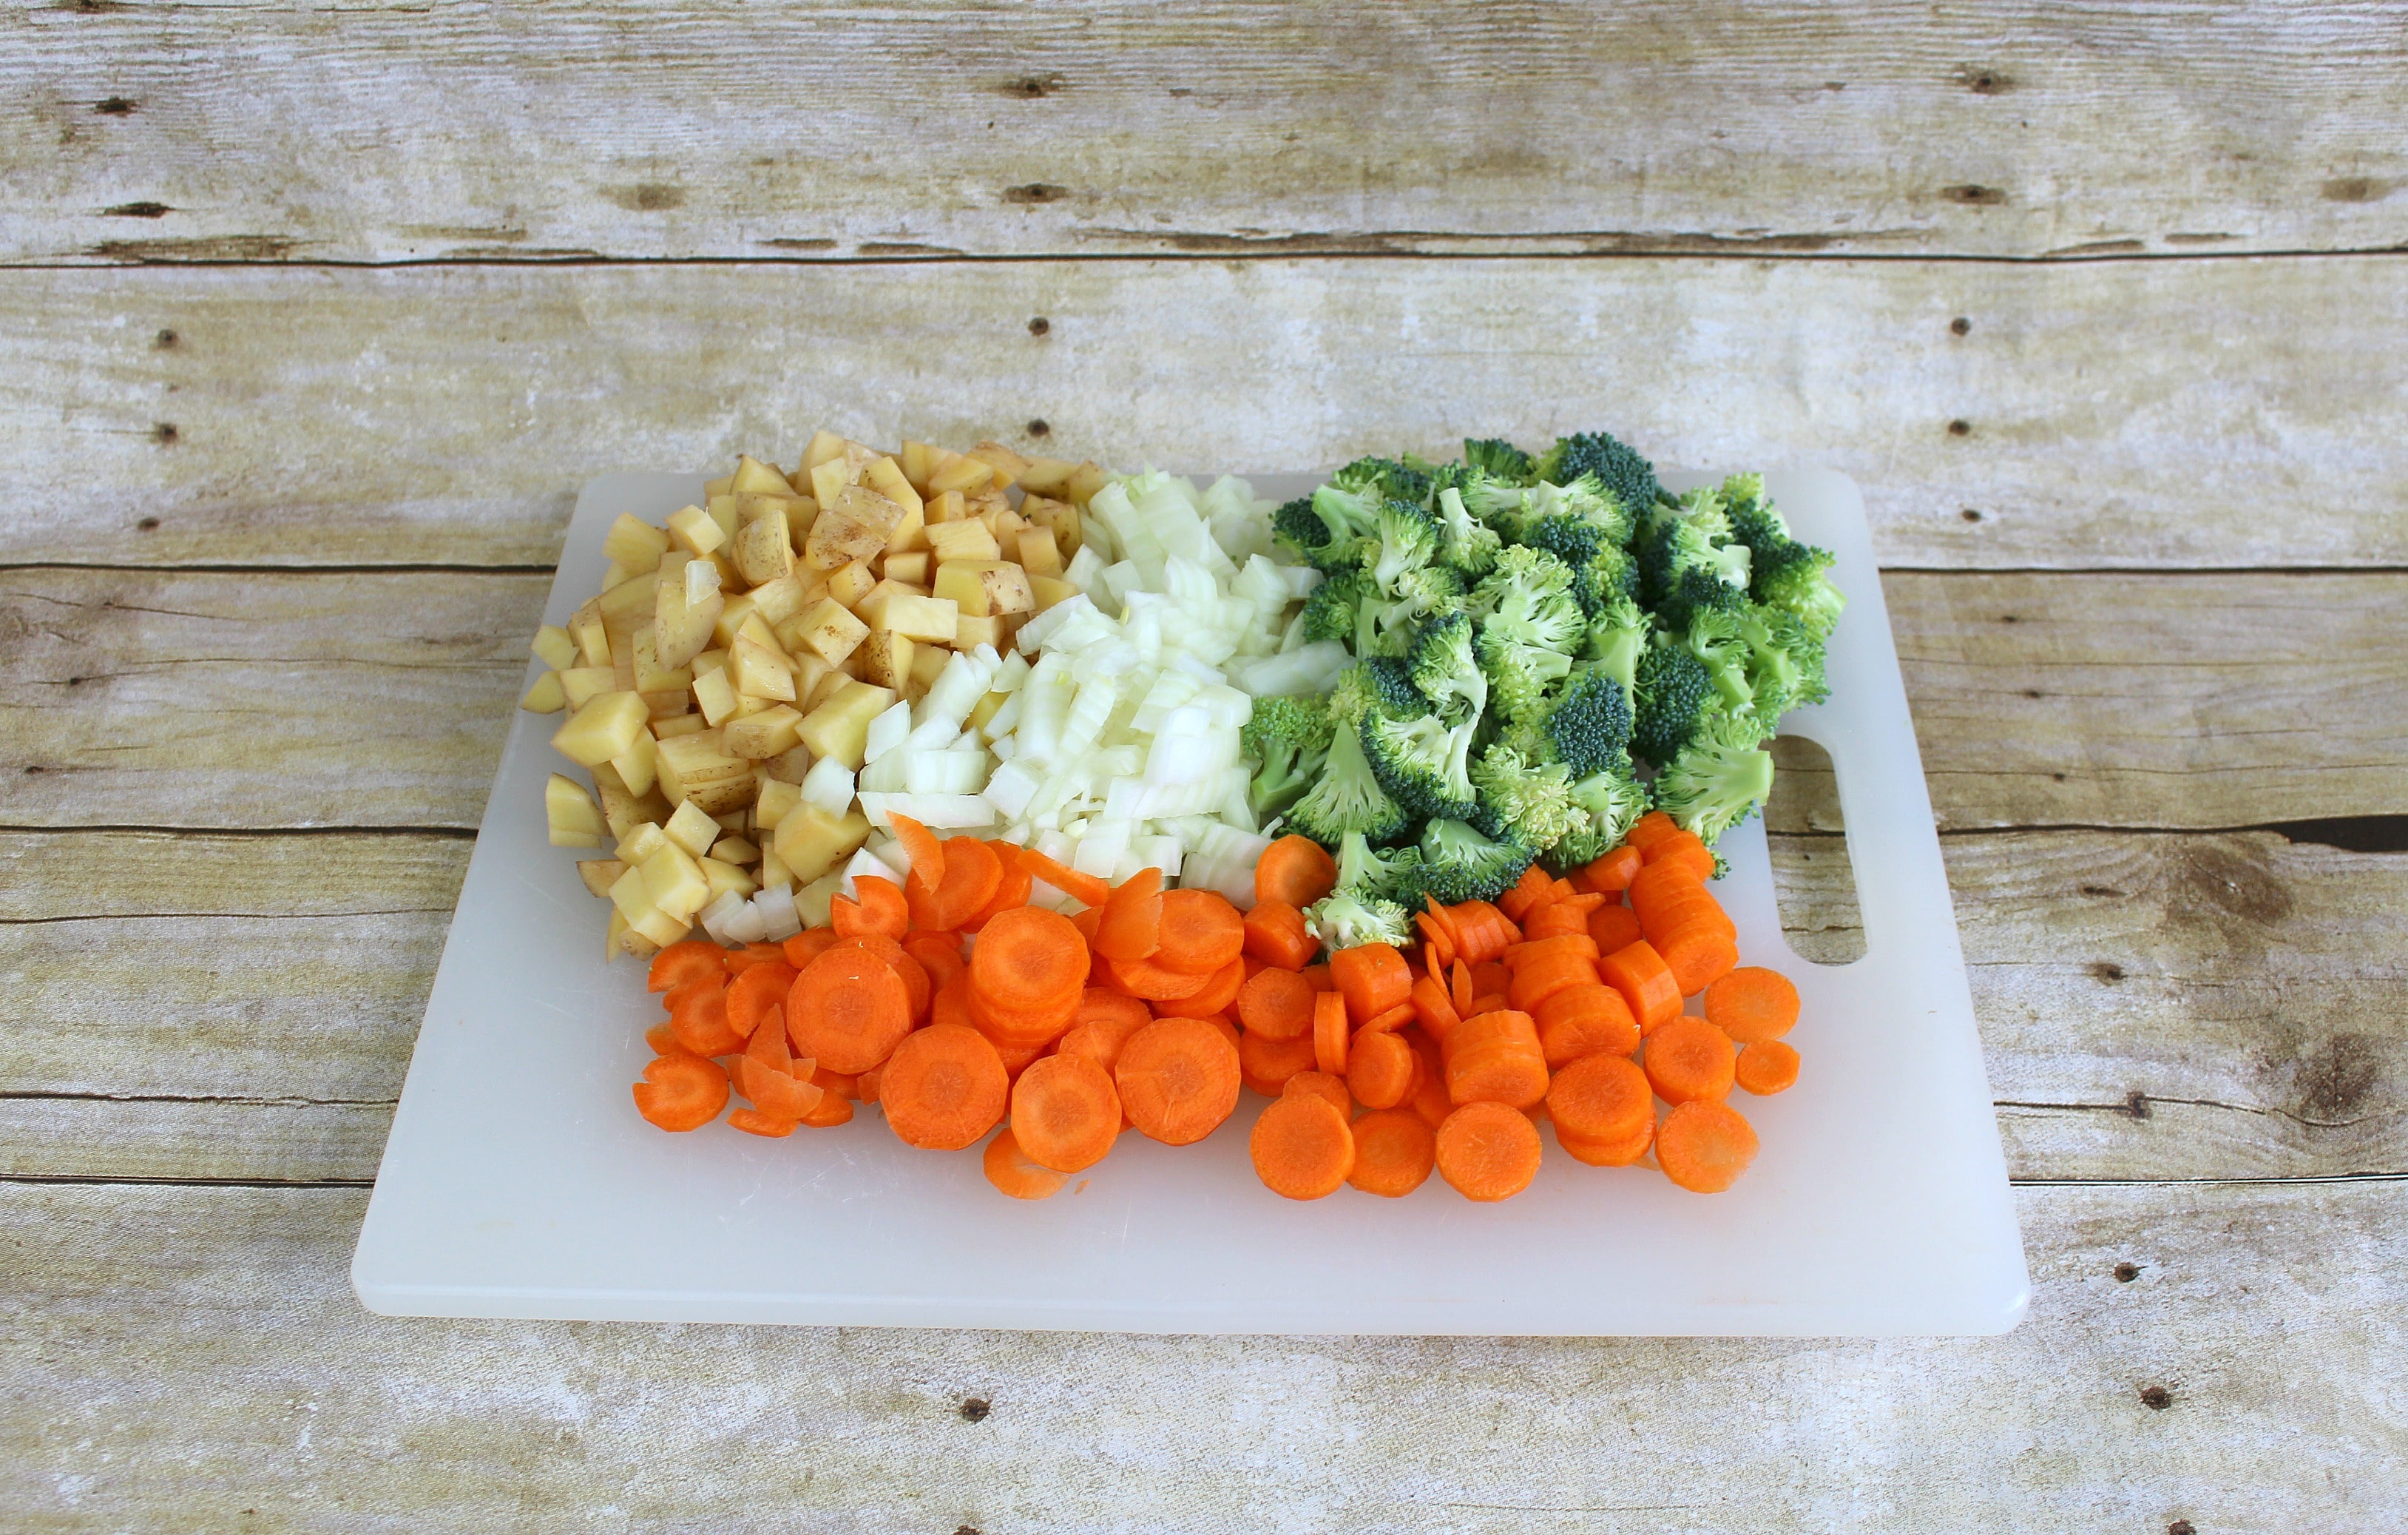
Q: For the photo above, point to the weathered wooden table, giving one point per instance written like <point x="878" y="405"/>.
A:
<point x="314" y="321"/>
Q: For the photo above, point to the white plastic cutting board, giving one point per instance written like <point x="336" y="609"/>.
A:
<point x="519" y="1182"/>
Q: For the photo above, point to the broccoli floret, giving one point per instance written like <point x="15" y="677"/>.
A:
<point x="1783" y="573"/>
<point x="1494" y="500"/>
<point x="1693" y="569"/>
<point x="1375" y="685"/>
<point x="1446" y="669"/>
<point x="1341" y="921"/>
<point x="1617" y="634"/>
<point x="1495" y="456"/>
<point x="1425" y="765"/>
<point x="1609" y="576"/>
<point x="1464" y="542"/>
<point x="1717" y="781"/>
<point x="1785" y="662"/>
<point x="1348" y="797"/>
<point x="1298" y="530"/>
<point x="1386" y="477"/>
<point x="1605" y="803"/>
<point x="1288" y="738"/>
<point x="1670" y="702"/>
<point x="1617" y="466"/>
<point x="1407" y="540"/>
<point x="1333" y="609"/>
<point x="1589" y="723"/>
<point x="1531" y="801"/>
<point x="1351" y="518"/>
<point x="1388" y="627"/>
<point x="1459" y="864"/>
<point x="1366" y="874"/>
<point x="1529" y="629"/>
<point x="1713" y="637"/>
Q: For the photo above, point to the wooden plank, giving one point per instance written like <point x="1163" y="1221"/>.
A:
<point x="154" y="133"/>
<point x="2152" y="1006"/>
<point x="155" y="1388"/>
<point x="2226" y="413"/>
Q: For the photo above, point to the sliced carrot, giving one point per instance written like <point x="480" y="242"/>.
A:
<point x="1317" y="976"/>
<point x="1276" y="934"/>
<point x="808" y="945"/>
<point x="1485" y="931"/>
<point x="1276" y="1004"/>
<point x="1373" y="977"/>
<point x="682" y="1092"/>
<point x="1443" y="918"/>
<point x="1494" y="1058"/>
<point x="1689" y="1058"/>
<point x="699" y="1017"/>
<point x="1490" y="977"/>
<point x="740" y="960"/>
<point x="1267" y="1064"/>
<point x="1438" y="950"/>
<point x="1102" y="1025"/>
<point x="1685" y="849"/>
<point x="752" y="995"/>
<point x="1131" y="924"/>
<point x="1650" y="829"/>
<point x="1546" y="974"/>
<point x="1704" y="1145"/>
<point x="685" y="960"/>
<point x="1610" y="1153"/>
<point x="1085" y="889"/>
<point x="866" y="1085"/>
<point x="952" y="1003"/>
<point x="662" y="1038"/>
<point x="1028" y="958"/>
<point x="1646" y="982"/>
<point x="1389" y="1022"/>
<point x="1431" y="1099"/>
<point x="1178" y="1079"/>
<point x="1487" y="1151"/>
<point x="1146" y="979"/>
<point x="1458" y="990"/>
<point x="1586" y="1020"/>
<point x="1065" y="1113"/>
<point x="943" y="1087"/>
<point x="879" y="908"/>
<point x="1600" y="1099"/>
<point x="925" y="853"/>
<point x="1611" y="927"/>
<point x="848" y="1010"/>
<point x="969" y="873"/>
<point x="1394" y="1152"/>
<point x="1302" y="1148"/>
<point x="1011" y="887"/>
<point x="832" y="1112"/>
<point x="1433" y="1008"/>
<point x="1322" y="1084"/>
<point x="766" y="1073"/>
<point x="1668" y="918"/>
<point x="1201" y="932"/>
<point x="1611" y="872"/>
<point x="1329" y="1033"/>
<point x="843" y="1084"/>
<point x="1012" y="1171"/>
<point x="1526" y="893"/>
<point x="1225" y="1027"/>
<point x="1698" y="956"/>
<point x="761" y="1121"/>
<point x="1752" y="1003"/>
<point x="1557" y="917"/>
<point x="1296" y="870"/>
<point x="1218" y="994"/>
<point x="1013" y="1028"/>
<point x="1379" y="1069"/>
<point x="1766" y="1068"/>
<point x="940" y="954"/>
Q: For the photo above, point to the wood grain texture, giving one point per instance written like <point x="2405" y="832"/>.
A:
<point x="2164" y="1006"/>
<point x="2120" y="414"/>
<point x="145" y="131"/>
<point x="193" y="1358"/>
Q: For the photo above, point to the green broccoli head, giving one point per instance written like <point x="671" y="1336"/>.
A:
<point x="1670" y="703"/>
<point x="1783" y="573"/>
<point x="1610" y="576"/>
<point x="1464" y="542"/>
<point x="1396" y="621"/>
<point x="1713" y="637"/>
<point x="1531" y="801"/>
<point x="1500" y="458"/>
<point x="1425" y="765"/>
<point x="1341" y="921"/>
<point x="1617" y="634"/>
<point x="1376" y="686"/>
<point x="1459" y="864"/>
<point x="1589" y="725"/>
<point x="1298" y="531"/>
<point x="1366" y="873"/>
<point x="1616" y="465"/>
<point x="1717" y="781"/>
<point x="1384" y="479"/>
<point x="1406" y="537"/>
<point x="1529" y="630"/>
<point x="1785" y="662"/>
<point x="1494" y="500"/>
<point x="1350" y="519"/>
<point x="1444" y="668"/>
<point x="1333" y="609"/>
<point x="1605" y="803"/>
<point x="1691" y="568"/>
<point x="1288" y="739"/>
<point x="1347" y="797"/>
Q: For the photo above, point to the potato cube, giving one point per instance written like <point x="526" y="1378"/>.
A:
<point x="592" y="635"/>
<point x="912" y="568"/>
<point x="602" y="728"/>
<point x="754" y="504"/>
<point x="773" y="872"/>
<point x="828" y="632"/>
<point x="732" y="849"/>
<point x="987" y="708"/>
<point x="759" y="670"/>
<point x="631" y="894"/>
<point x="714" y="690"/>
<point x="969" y="632"/>
<point x="945" y="508"/>
<point x="822" y="447"/>
<point x="679" y="724"/>
<point x="752" y="475"/>
<point x="1046" y="590"/>
<point x="622" y="808"/>
<point x="1037" y="556"/>
<point x="1008" y="525"/>
<point x="574" y="820"/>
<point x="887" y="659"/>
<point x="850" y="582"/>
<point x="822" y="690"/>
<point x="839" y="727"/>
<point x="634" y="543"/>
<point x="695" y="530"/>
<point x="761" y="736"/>
<point x="681" y="626"/>
<point x="1006" y="463"/>
<point x="779" y="600"/>
<point x="708" y="577"/>
<point x="1085" y="481"/>
<point x="763" y="551"/>
<point x="553" y="648"/>
<point x="963" y="540"/>
<point x="674" y="881"/>
<point x="641" y="841"/>
<point x="649" y="675"/>
<point x="777" y="797"/>
<point x="719" y="486"/>
<point x="982" y="587"/>
<point x="598" y="875"/>
<point x="636" y="765"/>
<point x="723" y="876"/>
<point x="1046" y="476"/>
<point x="698" y="767"/>
<point x="926" y="662"/>
<point x="691" y="829"/>
<point x="810" y="842"/>
<point x="887" y="478"/>
<point x="961" y="473"/>
<point x="855" y="525"/>
<point x="928" y="618"/>
<point x="545" y="695"/>
<point x="1059" y="518"/>
<point x="916" y="460"/>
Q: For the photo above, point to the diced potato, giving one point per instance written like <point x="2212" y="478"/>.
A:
<point x="970" y="633"/>
<point x="545" y="695"/>
<point x="778" y="600"/>
<point x="1046" y="476"/>
<point x="763" y="550"/>
<point x="696" y="530"/>
<point x="928" y="618"/>
<point x="682" y="724"/>
<point x="813" y="899"/>
<point x="723" y="876"/>
<point x="700" y="767"/>
<point x="735" y="823"/>
<point x="602" y="730"/>
<point x="855" y="525"/>
<point x="714" y="690"/>
<point x="963" y="540"/>
<point x="762" y="735"/>
<point x="777" y="798"/>
<point x="1059" y="518"/>
<point x="1008" y="525"/>
<point x="641" y="842"/>
<point x="945" y="508"/>
<point x="984" y="505"/>
<point x="593" y="636"/>
<point x="636" y="766"/>
<point x="822" y="690"/>
<point x="828" y="631"/>
<point x="913" y="568"/>
<point x="1084" y="482"/>
<point x="790" y="766"/>
<point x="773" y="872"/>
<point x="1037" y="556"/>
<point x="824" y="446"/>
<point x="1006" y="463"/>
<point x="634" y="543"/>
<point x="961" y="473"/>
<point x="674" y="881"/>
<point x="886" y="658"/>
<point x="1046" y="590"/>
<point x="631" y="893"/>
<point x="887" y="478"/>
<point x="754" y="504"/>
<point x="553" y="648"/>
<point x="575" y="821"/>
<point x="985" y="709"/>
<point x="719" y="486"/>
<point x="651" y="676"/>
<point x="708" y="577"/>
<point x="850" y="582"/>
<point x="692" y="829"/>
<point x="982" y="587"/>
<point x="926" y="662"/>
<point x="840" y="727"/>
<point x="810" y="842"/>
<point x="599" y="874"/>
<point x="626" y="605"/>
<point x="669" y="703"/>
<point x="759" y="671"/>
<point x="682" y="627"/>
<point x="752" y="475"/>
<point x="623" y="808"/>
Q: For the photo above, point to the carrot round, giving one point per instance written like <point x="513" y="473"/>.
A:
<point x="752" y="993"/>
<point x="1302" y="1148"/>
<point x="1065" y="1113"/>
<point x="1394" y="1018"/>
<point x="967" y="873"/>
<point x="923" y="853"/>
<point x="832" y="1112"/>
<point x="1682" y="848"/>
<point x="1104" y="1023"/>
<point x="943" y="1087"/>
<point x="1609" y="1152"/>
<point x="1329" y="1036"/>
<point x="1276" y="934"/>
<point x="1698" y="956"/>
<point x="1611" y="927"/>
<point x="682" y="1092"/>
<point x="1433" y="1008"/>
<point x="1394" y="1152"/>
<point x="1526" y="893"/>
<point x="761" y="1121"/>
<point x="682" y="961"/>
<point x="698" y="1018"/>
<point x="938" y="953"/>
<point x="1650" y="829"/>
<point x="1600" y="1099"/>
<point x="1561" y="917"/>
<point x="1276" y="1004"/>
<point x="1178" y="1079"/>
<point x="1704" y="1145"/>
<point x="1131" y="924"/>
<point x="1753" y="1003"/>
<point x="1144" y="978"/>
<point x="1487" y="1151"/>
<point x="1372" y="978"/>
<point x="1766" y="1068"/>
<point x="1613" y="871"/>
<point x="1586" y="1020"/>
<point x="1012" y="1171"/>
<point x="808" y="945"/>
<point x="1029" y="958"/>
<point x="1032" y="1028"/>
<point x="1379" y="1069"/>
<point x="1322" y="1084"/>
<point x="662" y="1038"/>
<point x="1296" y="870"/>
<point x="1494" y="1058"/>
<point x="1218" y="995"/>
<point x="1546" y="974"/>
<point x="1267" y="1064"/>
<point x="1647" y="985"/>
<point x="848" y="1010"/>
<point x="952" y="1003"/>
<point x="878" y="906"/>
<point x="1201" y="932"/>
<point x="1011" y="887"/>
<point x="1689" y="1058"/>
<point x="1087" y="890"/>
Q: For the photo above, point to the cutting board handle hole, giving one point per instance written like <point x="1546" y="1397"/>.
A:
<point x="1812" y="881"/>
